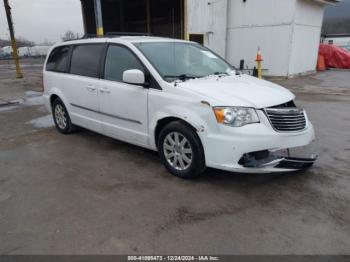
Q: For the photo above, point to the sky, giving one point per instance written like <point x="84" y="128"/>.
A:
<point x="40" y="20"/>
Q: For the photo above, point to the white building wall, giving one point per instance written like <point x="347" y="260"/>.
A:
<point x="340" y="41"/>
<point x="288" y="31"/>
<point x="268" y="24"/>
<point x="259" y="13"/>
<point x="210" y="19"/>
<point x="306" y="37"/>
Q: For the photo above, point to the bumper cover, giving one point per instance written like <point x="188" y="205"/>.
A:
<point x="225" y="149"/>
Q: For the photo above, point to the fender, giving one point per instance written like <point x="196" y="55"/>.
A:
<point x="197" y="118"/>
<point x="56" y="91"/>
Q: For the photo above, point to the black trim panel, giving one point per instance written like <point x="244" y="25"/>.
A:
<point x="109" y="115"/>
<point x="297" y="163"/>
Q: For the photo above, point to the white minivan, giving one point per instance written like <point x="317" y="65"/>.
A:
<point x="178" y="98"/>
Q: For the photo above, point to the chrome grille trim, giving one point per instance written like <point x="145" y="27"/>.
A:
<point x="286" y="119"/>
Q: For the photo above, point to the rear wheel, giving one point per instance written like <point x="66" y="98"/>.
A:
<point x="181" y="151"/>
<point x="61" y="118"/>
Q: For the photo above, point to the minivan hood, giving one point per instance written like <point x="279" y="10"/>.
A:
<point x="240" y="90"/>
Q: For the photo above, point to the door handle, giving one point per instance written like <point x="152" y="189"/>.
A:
<point x="91" y="88"/>
<point x="105" y="90"/>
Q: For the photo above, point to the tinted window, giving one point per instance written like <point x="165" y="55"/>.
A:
<point x="118" y="60"/>
<point x="58" y="59"/>
<point x="86" y="60"/>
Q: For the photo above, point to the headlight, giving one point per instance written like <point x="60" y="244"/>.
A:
<point x="236" y="116"/>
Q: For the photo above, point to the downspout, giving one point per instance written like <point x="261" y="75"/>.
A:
<point x="290" y="51"/>
<point x="228" y="9"/>
<point x="84" y="16"/>
<point x="98" y="17"/>
<point x="186" y="36"/>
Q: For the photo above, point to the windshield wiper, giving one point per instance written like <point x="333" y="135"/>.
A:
<point x="217" y="74"/>
<point x="224" y="73"/>
<point x="182" y="77"/>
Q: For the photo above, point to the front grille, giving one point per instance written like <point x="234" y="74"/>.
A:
<point x="286" y="119"/>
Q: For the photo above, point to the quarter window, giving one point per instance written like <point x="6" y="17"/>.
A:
<point x="118" y="60"/>
<point x="86" y="60"/>
<point x="58" y="59"/>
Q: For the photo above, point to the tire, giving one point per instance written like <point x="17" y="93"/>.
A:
<point x="61" y="118"/>
<point x="181" y="150"/>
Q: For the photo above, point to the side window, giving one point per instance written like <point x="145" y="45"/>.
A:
<point x="58" y="59"/>
<point x="118" y="60"/>
<point x="86" y="60"/>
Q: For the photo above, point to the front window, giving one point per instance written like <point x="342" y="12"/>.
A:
<point x="118" y="60"/>
<point x="177" y="60"/>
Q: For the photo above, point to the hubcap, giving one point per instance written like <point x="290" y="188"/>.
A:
<point x="61" y="118"/>
<point x="178" y="151"/>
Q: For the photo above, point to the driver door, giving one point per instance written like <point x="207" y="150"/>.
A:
<point x="123" y="107"/>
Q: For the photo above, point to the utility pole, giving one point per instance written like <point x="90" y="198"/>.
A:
<point x="13" y="39"/>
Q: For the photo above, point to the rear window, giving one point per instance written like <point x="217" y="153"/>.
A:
<point x="59" y="59"/>
<point x="86" y="60"/>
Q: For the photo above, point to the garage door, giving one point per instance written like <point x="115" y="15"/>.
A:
<point x="157" y="17"/>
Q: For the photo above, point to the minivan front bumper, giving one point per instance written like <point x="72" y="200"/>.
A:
<point x="225" y="149"/>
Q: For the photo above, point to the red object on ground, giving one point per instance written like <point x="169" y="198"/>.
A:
<point x="321" y="64"/>
<point x="335" y="56"/>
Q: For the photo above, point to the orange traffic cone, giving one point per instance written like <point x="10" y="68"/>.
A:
<point x="258" y="61"/>
<point x="259" y="55"/>
<point x="321" y="64"/>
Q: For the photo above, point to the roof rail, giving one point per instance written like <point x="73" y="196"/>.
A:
<point x="116" y="34"/>
<point x="86" y="36"/>
<point x="111" y="34"/>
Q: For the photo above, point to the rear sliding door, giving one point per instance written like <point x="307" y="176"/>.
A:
<point x="82" y="87"/>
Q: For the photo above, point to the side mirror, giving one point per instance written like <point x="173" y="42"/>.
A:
<point x="134" y="77"/>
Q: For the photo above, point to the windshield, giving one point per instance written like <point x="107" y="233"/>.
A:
<point x="178" y="60"/>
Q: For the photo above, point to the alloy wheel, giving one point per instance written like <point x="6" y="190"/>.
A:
<point x="178" y="151"/>
<point x="60" y="116"/>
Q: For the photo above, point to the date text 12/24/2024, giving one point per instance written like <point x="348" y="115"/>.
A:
<point x="173" y="258"/>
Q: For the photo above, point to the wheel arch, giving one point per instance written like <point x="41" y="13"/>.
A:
<point x="161" y="123"/>
<point x="199" y="144"/>
<point x="53" y="97"/>
<point x="57" y="93"/>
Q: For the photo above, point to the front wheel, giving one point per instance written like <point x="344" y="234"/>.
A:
<point x="181" y="150"/>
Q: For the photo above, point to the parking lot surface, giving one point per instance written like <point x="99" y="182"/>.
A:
<point x="89" y="194"/>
